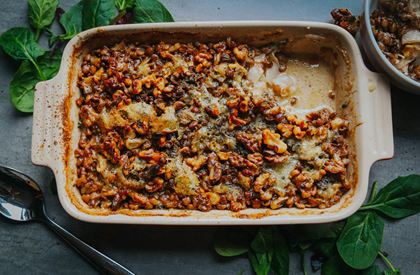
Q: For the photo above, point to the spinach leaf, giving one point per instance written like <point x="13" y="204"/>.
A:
<point x="71" y="21"/>
<point x="122" y="5"/>
<point x="22" y="86"/>
<point x="98" y="13"/>
<point x="360" y="240"/>
<point x="149" y="11"/>
<point x="231" y="242"/>
<point x="261" y="251"/>
<point x="336" y="266"/>
<point x="20" y="44"/>
<point x="41" y="13"/>
<point x="373" y="270"/>
<point x="399" y="199"/>
<point x="50" y="63"/>
<point x="374" y="191"/>
<point x="319" y="237"/>
<point x="280" y="263"/>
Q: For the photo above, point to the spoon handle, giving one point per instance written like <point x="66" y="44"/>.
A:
<point x="101" y="262"/>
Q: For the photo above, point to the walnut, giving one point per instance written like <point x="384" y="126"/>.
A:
<point x="249" y="141"/>
<point x="212" y="111"/>
<point x="272" y="157"/>
<point x="299" y="134"/>
<point x="214" y="198"/>
<point x="274" y="113"/>
<point x="241" y="52"/>
<point x="151" y="155"/>
<point x="261" y="181"/>
<point x="251" y="168"/>
<point x="235" y="121"/>
<point x="277" y="203"/>
<point x="178" y="105"/>
<point x="215" y="168"/>
<point x="273" y="141"/>
<point x="223" y="155"/>
<point x="334" y="167"/>
<point x="197" y="162"/>
<point x="245" y="104"/>
<point x="286" y="130"/>
<point x="236" y="160"/>
<point x="256" y="158"/>
<point x="155" y="185"/>
<point x="243" y="180"/>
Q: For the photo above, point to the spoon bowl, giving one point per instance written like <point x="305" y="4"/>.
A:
<point x="21" y="200"/>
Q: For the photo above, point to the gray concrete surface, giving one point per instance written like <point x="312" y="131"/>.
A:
<point x="32" y="249"/>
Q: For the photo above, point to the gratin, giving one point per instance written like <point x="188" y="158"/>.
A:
<point x="208" y="126"/>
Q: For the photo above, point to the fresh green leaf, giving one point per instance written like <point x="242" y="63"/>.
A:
<point x="374" y="191"/>
<point x="326" y="247"/>
<point x="373" y="270"/>
<point x="22" y="86"/>
<point x="280" y="263"/>
<point x="50" y="63"/>
<point x="336" y="266"/>
<point x="41" y="13"/>
<point x="360" y="240"/>
<point x="122" y="5"/>
<point x="392" y="272"/>
<point x="399" y="199"/>
<point x="71" y="21"/>
<point x="98" y="13"/>
<point x="20" y="44"/>
<point x="149" y="11"/>
<point x="261" y="251"/>
<point x="320" y="237"/>
<point x="231" y="242"/>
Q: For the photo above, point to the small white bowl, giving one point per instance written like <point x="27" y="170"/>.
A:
<point x="377" y="58"/>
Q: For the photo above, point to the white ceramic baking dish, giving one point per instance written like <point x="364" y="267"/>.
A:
<point x="55" y="132"/>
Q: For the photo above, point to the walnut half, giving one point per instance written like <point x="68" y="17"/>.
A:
<point x="273" y="141"/>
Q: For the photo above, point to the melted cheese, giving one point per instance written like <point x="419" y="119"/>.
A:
<point x="167" y="122"/>
<point x="309" y="150"/>
<point x="186" y="181"/>
<point x="126" y="115"/>
<point x="280" y="173"/>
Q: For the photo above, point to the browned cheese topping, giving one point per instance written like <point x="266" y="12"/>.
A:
<point x="200" y="126"/>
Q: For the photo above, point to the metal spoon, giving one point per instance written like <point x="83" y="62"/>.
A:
<point x="21" y="200"/>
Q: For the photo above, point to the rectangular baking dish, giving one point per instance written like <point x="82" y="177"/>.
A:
<point x="367" y="94"/>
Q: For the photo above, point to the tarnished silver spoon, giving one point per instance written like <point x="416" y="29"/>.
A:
<point x="22" y="200"/>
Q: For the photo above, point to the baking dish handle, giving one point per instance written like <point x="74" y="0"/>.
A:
<point x="381" y="139"/>
<point x="47" y="127"/>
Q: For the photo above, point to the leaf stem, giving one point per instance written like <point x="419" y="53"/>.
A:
<point x="303" y="262"/>
<point x="387" y="261"/>
<point x="366" y="207"/>
<point x="37" y="34"/>
<point x="120" y="15"/>
<point x="41" y="75"/>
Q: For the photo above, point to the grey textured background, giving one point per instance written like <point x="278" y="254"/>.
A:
<point x="32" y="249"/>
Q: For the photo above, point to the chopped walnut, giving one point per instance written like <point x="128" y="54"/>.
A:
<point x="197" y="162"/>
<point x="273" y="141"/>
